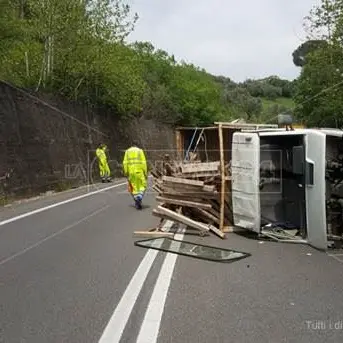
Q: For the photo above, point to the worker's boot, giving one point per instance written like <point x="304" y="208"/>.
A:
<point x="138" y="202"/>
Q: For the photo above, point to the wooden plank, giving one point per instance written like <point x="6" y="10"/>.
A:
<point x="245" y="125"/>
<point x="183" y="202"/>
<point x="210" y="226"/>
<point x="152" y="234"/>
<point x="181" y="186"/>
<point x="177" y="180"/>
<point x="222" y="172"/>
<point x="154" y="174"/>
<point x="217" y="231"/>
<point x="185" y="191"/>
<point x="158" y="214"/>
<point x="203" y="166"/>
<point x="209" y="188"/>
<point x="208" y="216"/>
<point x="185" y="198"/>
<point x="189" y="194"/>
<point x="181" y="218"/>
<point x="157" y="189"/>
<point x="211" y="180"/>
<point x="200" y="167"/>
<point x="215" y="213"/>
<point x="179" y="144"/>
<point x="189" y="188"/>
<point x="197" y="174"/>
<point x="183" y="128"/>
<point x="159" y="186"/>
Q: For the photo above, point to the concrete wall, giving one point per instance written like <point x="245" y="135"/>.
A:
<point x="49" y="143"/>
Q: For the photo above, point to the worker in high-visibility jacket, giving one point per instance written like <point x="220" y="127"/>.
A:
<point x="104" y="168"/>
<point x="135" y="169"/>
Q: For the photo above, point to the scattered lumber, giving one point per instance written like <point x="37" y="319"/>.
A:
<point x="152" y="234"/>
<point x="159" y="231"/>
<point x="190" y="193"/>
<point x="163" y="212"/>
<point x="181" y="202"/>
<point x="200" y="167"/>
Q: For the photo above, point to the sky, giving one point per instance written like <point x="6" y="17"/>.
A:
<point x="237" y="39"/>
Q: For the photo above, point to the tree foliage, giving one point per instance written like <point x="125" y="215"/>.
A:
<point x="319" y="88"/>
<point x="301" y="52"/>
<point x="78" y="49"/>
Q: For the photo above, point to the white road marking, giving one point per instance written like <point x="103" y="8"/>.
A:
<point x="53" y="235"/>
<point x="152" y="319"/>
<point x="115" y="327"/>
<point x="336" y="257"/>
<point x="24" y="215"/>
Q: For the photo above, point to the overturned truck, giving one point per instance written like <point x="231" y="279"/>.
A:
<point x="288" y="184"/>
<point x="282" y="183"/>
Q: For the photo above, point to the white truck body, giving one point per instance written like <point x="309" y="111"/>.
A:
<point x="306" y="170"/>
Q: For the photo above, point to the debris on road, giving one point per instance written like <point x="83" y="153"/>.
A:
<point x="189" y="193"/>
<point x="155" y="232"/>
<point x="191" y="249"/>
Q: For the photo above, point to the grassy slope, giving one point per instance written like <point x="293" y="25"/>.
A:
<point x="287" y="102"/>
<point x="270" y="117"/>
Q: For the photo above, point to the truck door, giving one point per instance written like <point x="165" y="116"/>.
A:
<point x="315" y="189"/>
<point x="245" y="173"/>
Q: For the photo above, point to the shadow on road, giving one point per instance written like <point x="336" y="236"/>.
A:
<point x="144" y="207"/>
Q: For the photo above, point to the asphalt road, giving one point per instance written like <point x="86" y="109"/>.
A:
<point x="69" y="272"/>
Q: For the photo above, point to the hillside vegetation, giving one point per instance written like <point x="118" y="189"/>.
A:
<point x="79" y="50"/>
<point x="318" y="91"/>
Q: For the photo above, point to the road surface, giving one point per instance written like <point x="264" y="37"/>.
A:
<point x="69" y="272"/>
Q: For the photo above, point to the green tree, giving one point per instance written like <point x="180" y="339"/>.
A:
<point x="78" y="49"/>
<point x="197" y="96"/>
<point x="300" y="53"/>
<point x="319" y="88"/>
<point x="247" y="105"/>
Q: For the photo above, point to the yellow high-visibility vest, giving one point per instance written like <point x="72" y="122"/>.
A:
<point x="134" y="161"/>
<point x="101" y="155"/>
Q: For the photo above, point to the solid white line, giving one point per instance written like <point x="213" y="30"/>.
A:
<point x="24" y="215"/>
<point x="117" y="323"/>
<point x="152" y="319"/>
<point x="53" y="235"/>
<point x="115" y="327"/>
